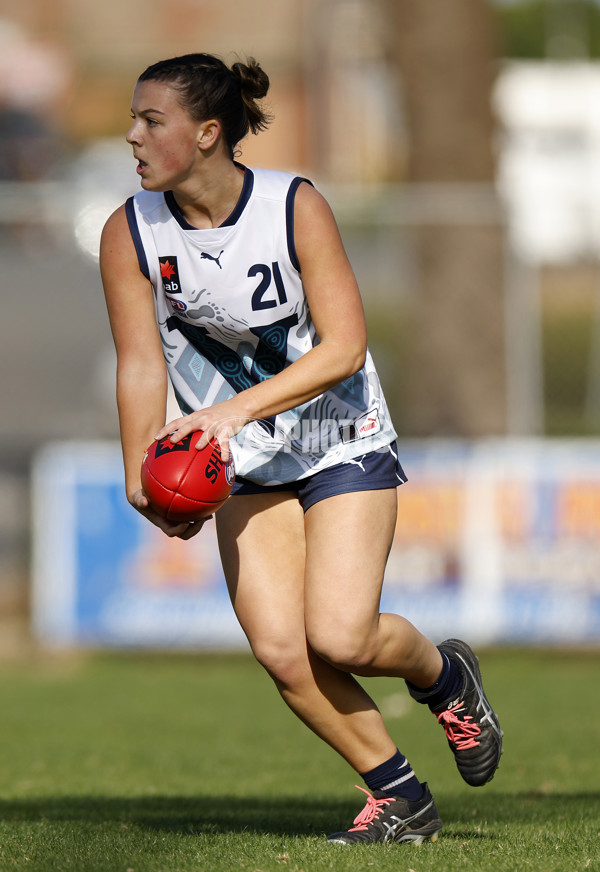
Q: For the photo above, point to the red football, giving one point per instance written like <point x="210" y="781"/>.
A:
<point x="184" y="483"/>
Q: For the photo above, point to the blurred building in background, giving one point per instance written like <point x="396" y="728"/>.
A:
<point x="549" y="173"/>
<point x="463" y="178"/>
<point x="358" y="108"/>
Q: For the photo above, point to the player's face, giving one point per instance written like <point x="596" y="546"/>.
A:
<point x="163" y="136"/>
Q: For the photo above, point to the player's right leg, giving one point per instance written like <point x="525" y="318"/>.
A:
<point x="262" y="545"/>
<point x="262" y="542"/>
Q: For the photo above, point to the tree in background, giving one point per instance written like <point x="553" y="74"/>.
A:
<point x="548" y="29"/>
<point x="445" y="59"/>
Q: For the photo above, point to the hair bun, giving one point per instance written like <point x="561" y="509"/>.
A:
<point x="254" y="85"/>
<point x="254" y="82"/>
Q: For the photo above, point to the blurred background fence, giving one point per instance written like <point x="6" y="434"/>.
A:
<point x="460" y="152"/>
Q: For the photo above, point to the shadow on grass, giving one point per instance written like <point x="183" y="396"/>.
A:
<point x="285" y="815"/>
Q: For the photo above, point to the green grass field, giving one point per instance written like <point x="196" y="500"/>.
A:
<point x="175" y="763"/>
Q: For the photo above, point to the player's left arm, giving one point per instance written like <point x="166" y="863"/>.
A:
<point x="337" y="313"/>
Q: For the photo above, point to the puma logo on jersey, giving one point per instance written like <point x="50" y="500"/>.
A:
<point x="206" y="256"/>
<point x="367" y="425"/>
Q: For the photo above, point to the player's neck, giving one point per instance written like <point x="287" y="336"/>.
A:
<point x="209" y="199"/>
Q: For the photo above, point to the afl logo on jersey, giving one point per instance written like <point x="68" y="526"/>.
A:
<point x="170" y="274"/>
<point x="178" y="305"/>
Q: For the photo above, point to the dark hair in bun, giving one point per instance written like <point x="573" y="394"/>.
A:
<point x="210" y="89"/>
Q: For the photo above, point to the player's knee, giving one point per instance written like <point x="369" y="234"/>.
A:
<point x="285" y="662"/>
<point x="343" y="647"/>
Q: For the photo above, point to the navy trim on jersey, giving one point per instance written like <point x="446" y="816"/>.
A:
<point x="174" y="210"/>
<point x="137" y="239"/>
<point x="231" y="219"/>
<point x="289" y="219"/>
<point x="241" y="204"/>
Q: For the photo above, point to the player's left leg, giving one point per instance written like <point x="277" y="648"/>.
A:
<point x="469" y="721"/>
<point x="348" y="538"/>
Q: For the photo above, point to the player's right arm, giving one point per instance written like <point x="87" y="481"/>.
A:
<point x="141" y="369"/>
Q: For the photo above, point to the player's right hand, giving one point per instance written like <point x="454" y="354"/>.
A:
<point x="184" y="530"/>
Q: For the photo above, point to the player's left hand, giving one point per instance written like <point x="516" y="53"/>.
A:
<point x="216" y="422"/>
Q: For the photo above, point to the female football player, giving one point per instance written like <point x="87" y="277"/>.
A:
<point x="235" y="282"/>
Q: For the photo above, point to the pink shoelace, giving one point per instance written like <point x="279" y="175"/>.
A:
<point x="370" y="811"/>
<point x="462" y="733"/>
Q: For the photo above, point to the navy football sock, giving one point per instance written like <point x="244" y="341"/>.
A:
<point x="447" y="688"/>
<point x="395" y="777"/>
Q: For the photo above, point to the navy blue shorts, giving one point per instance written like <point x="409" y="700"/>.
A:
<point x="373" y="471"/>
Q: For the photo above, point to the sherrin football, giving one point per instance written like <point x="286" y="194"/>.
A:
<point x="184" y="483"/>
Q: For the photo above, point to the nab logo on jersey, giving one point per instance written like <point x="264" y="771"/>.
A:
<point x="170" y="274"/>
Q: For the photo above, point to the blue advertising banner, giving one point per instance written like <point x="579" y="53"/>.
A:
<point x="497" y="541"/>
<point x="103" y="575"/>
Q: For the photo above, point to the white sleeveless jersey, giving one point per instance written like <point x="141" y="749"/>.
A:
<point x="231" y="311"/>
